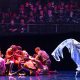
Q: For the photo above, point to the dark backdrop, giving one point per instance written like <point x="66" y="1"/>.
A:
<point x="48" y="42"/>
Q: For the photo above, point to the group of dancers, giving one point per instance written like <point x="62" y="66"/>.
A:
<point x="18" y="62"/>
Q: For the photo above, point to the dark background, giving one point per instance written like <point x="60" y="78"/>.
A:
<point x="47" y="42"/>
<point x="14" y="4"/>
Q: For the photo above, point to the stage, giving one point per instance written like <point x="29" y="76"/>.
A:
<point x="61" y="75"/>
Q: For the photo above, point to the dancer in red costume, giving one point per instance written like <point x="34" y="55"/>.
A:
<point x="13" y="57"/>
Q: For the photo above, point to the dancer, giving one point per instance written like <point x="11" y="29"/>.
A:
<point x="2" y="64"/>
<point x="43" y="57"/>
<point x="74" y="49"/>
<point x="13" y="57"/>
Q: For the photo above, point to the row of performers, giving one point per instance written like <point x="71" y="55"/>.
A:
<point x="19" y="62"/>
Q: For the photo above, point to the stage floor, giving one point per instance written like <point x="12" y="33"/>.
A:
<point x="61" y="75"/>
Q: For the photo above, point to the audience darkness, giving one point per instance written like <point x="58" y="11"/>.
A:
<point x="35" y="12"/>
